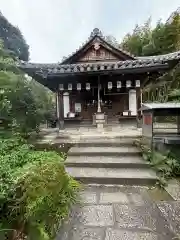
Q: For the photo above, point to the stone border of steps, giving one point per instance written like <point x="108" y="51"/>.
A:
<point x="104" y="143"/>
<point x="103" y="151"/>
<point x="96" y="137"/>
<point x="115" y="176"/>
<point x="106" y="162"/>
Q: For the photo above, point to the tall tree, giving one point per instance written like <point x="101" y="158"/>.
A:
<point x="164" y="38"/>
<point x="140" y="37"/>
<point x="23" y="102"/>
<point x="13" y="39"/>
<point x="112" y="40"/>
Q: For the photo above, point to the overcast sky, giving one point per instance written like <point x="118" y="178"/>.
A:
<point x="56" y="28"/>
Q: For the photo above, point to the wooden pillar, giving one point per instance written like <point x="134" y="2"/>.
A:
<point x="178" y="124"/>
<point x="60" y="110"/>
<point x="138" y="102"/>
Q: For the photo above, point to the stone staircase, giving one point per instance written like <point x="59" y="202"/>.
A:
<point x="109" y="161"/>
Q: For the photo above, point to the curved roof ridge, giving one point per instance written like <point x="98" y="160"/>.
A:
<point x="167" y="55"/>
<point x="95" y="33"/>
<point x="139" y="60"/>
<point x="164" y="57"/>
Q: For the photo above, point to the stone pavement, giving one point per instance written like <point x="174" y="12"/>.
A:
<point x="75" y="135"/>
<point x="121" y="213"/>
<point x="116" y="212"/>
<point x="173" y="188"/>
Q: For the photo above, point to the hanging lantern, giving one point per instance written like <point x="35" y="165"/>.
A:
<point x="118" y="84"/>
<point x="61" y="87"/>
<point x="70" y="86"/>
<point x="79" y="86"/>
<point x="128" y="84"/>
<point x="138" y="84"/>
<point x="88" y="86"/>
<point x="110" y="85"/>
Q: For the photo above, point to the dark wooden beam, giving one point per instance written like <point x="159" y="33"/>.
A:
<point x="60" y="110"/>
<point x="178" y="124"/>
<point x="135" y="70"/>
<point x="138" y="102"/>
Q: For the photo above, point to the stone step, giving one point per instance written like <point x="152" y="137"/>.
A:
<point x="106" y="137"/>
<point x="122" y="176"/>
<point x="104" y="151"/>
<point x="106" y="162"/>
<point x="105" y="142"/>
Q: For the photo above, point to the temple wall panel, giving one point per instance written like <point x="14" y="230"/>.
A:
<point x="93" y="55"/>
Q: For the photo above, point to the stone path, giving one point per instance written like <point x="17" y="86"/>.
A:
<point x="113" y="212"/>
<point x="75" y="134"/>
<point x="121" y="213"/>
<point x="173" y="188"/>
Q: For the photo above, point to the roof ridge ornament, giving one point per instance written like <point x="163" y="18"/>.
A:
<point x="96" y="32"/>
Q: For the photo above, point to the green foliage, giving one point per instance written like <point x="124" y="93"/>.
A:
<point x="164" y="38"/>
<point x="135" y="42"/>
<point x="36" y="193"/>
<point x="144" y="40"/>
<point x="167" y="165"/>
<point x="14" y="41"/>
<point x="23" y="102"/>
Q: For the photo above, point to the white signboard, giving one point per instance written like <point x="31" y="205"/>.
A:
<point x="78" y="107"/>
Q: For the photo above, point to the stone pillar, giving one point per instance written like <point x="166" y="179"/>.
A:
<point x="60" y="110"/>
<point x="99" y="100"/>
<point x="99" y="116"/>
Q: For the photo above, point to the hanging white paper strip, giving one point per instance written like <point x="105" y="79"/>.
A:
<point x="88" y="86"/>
<point x="78" y="86"/>
<point x="128" y="84"/>
<point x="138" y="84"/>
<point x="70" y="86"/>
<point x="118" y="84"/>
<point x="61" y="87"/>
<point x="109" y="85"/>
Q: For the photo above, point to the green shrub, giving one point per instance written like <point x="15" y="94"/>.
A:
<point x="167" y="165"/>
<point x="36" y="193"/>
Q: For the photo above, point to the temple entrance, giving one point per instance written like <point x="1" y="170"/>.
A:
<point x="113" y="104"/>
<point x="89" y="103"/>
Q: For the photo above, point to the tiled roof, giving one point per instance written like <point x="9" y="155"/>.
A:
<point x="140" y="62"/>
<point x="164" y="57"/>
<point x="167" y="105"/>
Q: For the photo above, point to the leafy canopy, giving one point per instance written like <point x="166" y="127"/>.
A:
<point x="23" y="102"/>
<point x="163" y="39"/>
<point x="13" y="39"/>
